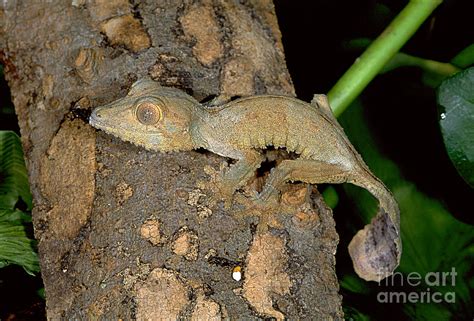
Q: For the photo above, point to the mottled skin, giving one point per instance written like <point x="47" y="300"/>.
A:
<point x="167" y="119"/>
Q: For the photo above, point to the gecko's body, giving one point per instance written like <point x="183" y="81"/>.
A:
<point x="280" y="121"/>
<point x="166" y="119"/>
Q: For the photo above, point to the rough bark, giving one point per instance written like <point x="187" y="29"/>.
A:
<point x="125" y="233"/>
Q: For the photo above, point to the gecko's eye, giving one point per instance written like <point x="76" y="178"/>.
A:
<point x="148" y="113"/>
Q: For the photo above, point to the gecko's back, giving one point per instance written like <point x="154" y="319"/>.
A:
<point x="286" y="122"/>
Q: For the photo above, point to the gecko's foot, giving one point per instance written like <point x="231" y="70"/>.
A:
<point x="252" y="202"/>
<point x="220" y="195"/>
<point x="290" y="200"/>
<point x="250" y="206"/>
<point x="268" y="195"/>
<point x="226" y="193"/>
<point x="218" y="188"/>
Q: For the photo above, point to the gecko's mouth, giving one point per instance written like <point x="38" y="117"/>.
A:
<point x="97" y="121"/>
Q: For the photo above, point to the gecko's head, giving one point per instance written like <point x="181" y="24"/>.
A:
<point x="157" y="118"/>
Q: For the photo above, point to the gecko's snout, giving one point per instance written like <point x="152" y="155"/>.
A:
<point x="95" y="117"/>
<point x="96" y="113"/>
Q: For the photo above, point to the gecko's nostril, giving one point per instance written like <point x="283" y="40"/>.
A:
<point x="97" y="114"/>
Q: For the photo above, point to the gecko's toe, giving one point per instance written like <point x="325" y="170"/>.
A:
<point x="228" y="202"/>
<point x="225" y="194"/>
<point x="265" y="199"/>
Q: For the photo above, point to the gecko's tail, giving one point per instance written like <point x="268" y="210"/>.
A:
<point x="376" y="249"/>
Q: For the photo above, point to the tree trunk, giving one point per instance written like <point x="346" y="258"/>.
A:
<point x="129" y="234"/>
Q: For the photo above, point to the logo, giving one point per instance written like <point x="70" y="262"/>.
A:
<point x="433" y="287"/>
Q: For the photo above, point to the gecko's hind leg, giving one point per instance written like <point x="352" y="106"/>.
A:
<point x="375" y="250"/>
<point x="308" y="171"/>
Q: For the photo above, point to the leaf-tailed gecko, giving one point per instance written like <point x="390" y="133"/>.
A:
<point x="167" y="119"/>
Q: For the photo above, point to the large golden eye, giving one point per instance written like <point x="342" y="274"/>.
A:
<point x="148" y="113"/>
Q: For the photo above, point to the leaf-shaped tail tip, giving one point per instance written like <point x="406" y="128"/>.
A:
<point x="376" y="249"/>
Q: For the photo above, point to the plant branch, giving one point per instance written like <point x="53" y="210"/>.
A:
<point x="436" y="67"/>
<point x="370" y="63"/>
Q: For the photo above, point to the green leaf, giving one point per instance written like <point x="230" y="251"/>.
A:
<point x="427" y="231"/>
<point x="7" y="215"/>
<point x="330" y="196"/>
<point x="456" y="101"/>
<point x="427" y="312"/>
<point x="13" y="176"/>
<point x="15" y="246"/>
<point x="41" y="293"/>
<point x="465" y="57"/>
<point x="354" y="315"/>
<point x="353" y="283"/>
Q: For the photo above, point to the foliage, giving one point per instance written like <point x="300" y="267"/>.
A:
<point x="438" y="250"/>
<point x="456" y="101"/>
<point x="427" y="235"/>
<point x="14" y="178"/>
<point x="16" y="247"/>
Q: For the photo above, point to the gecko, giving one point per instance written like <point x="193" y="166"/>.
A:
<point x="167" y="119"/>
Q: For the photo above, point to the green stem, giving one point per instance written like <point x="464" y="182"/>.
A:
<point x="436" y="67"/>
<point x="369" y="64"/>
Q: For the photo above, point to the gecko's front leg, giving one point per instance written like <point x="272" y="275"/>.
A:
<point x="239" y="173"/>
